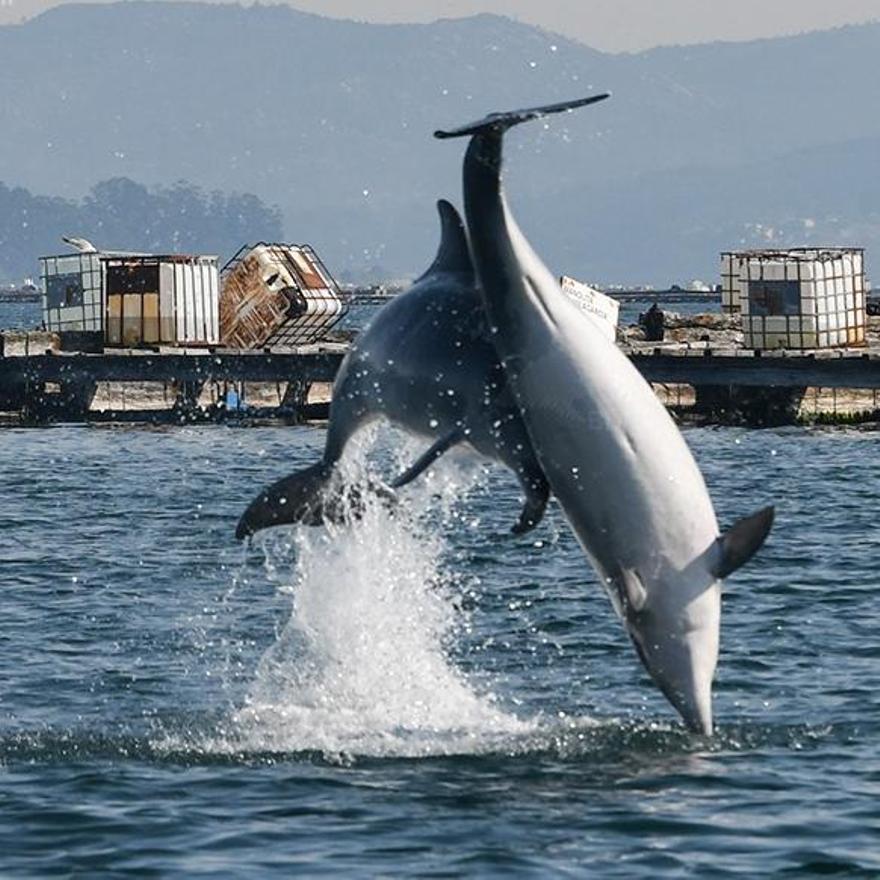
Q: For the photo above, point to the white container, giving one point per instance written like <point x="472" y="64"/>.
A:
<point x="730" y="273"/>
<point x="72" y="298"/>
<point x="134" y="299"/>
<point x="798" y="298"/>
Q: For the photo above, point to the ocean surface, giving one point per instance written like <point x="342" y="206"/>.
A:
<point x="419" y="693"/>
<point x="20" y="315"/>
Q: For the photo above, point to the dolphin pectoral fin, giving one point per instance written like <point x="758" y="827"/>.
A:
<point x="424" y="461"/>
<point x="740" y="542"/>
<point x="502" y="121"/>
<point x="537" y="491"/>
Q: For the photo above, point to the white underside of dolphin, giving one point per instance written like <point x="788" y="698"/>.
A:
<point x="614" y="458"/>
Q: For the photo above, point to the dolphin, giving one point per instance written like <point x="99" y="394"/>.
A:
<point x="612" y="455"/>
<point x="425" y="363"/>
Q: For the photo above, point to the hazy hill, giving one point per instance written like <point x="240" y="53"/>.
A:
<point x="118" y="214"/>
<point x="332" y="121"/>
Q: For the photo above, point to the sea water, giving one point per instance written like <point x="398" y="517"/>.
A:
<point x="419" y="693"/>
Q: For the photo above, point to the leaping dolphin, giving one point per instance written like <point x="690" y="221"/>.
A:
<point x="425" y="363"/>
<point x="614" y="458"/>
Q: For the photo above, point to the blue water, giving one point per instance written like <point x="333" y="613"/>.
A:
<point x="20" y="315"/>
<point x="419" y="694"/>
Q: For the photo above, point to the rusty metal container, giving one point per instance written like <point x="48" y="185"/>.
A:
<point x="278" y="295"/>
<point x="161" y="300"/>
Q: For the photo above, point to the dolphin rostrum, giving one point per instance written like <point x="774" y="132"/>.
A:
<point x="426" y="364"/>
<point x="614" y="458"/>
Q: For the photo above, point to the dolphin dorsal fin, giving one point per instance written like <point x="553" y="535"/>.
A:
<point x="453" y="255"/>
<point x="742" y="540"/>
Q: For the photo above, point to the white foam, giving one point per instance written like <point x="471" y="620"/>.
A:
<point x="363" y="666"/>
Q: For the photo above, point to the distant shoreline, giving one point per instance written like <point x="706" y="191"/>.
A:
<point x="20" y="296"/>
<point x="382" y="292"/>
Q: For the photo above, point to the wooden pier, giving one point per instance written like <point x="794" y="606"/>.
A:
<point x="165" y="386"/>
<point x="830" y="368"/>
<point x="131" y="366"/>
<point x="765" y="388"/>
<point x="722" y="384"/>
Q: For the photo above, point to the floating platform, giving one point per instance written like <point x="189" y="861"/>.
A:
<point x="763" y="389"/>
<point x="20" y="296"/>
<point x="701" y="373"/>
<point x="176" y="385"/>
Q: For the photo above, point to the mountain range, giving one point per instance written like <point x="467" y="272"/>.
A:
<point x="701" y="149"/>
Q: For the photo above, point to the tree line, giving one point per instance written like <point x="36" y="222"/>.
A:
<point x="120" y="214"/>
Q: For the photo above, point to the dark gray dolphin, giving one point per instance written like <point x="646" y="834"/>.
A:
<point x="614" y="458"/>
<point x="426" y="364"/>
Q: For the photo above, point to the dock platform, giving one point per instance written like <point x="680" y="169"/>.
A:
<point x="696" y="379"/>
<point x="168" y="386"/>
<point x="828" y="368"/>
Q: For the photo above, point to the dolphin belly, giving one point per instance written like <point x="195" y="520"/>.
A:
<point x="615" y="459"/>
<point x="610" y="452"/>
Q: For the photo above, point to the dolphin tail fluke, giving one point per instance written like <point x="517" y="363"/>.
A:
<point x="739" y="543"/>
<point x="500" y="122"/>
<point x="311" y="497"/>
<point x="294" y="499"/>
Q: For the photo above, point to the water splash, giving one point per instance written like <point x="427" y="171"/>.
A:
<point x="363" y="666"/>
<point x="205" y="740"/>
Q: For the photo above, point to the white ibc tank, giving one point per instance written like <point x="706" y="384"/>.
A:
<point x="802" y="298"/>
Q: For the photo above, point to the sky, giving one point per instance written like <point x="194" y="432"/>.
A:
<point x="610" y="25"/>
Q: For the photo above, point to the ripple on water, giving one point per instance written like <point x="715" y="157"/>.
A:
<point x="421" y="693"/>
